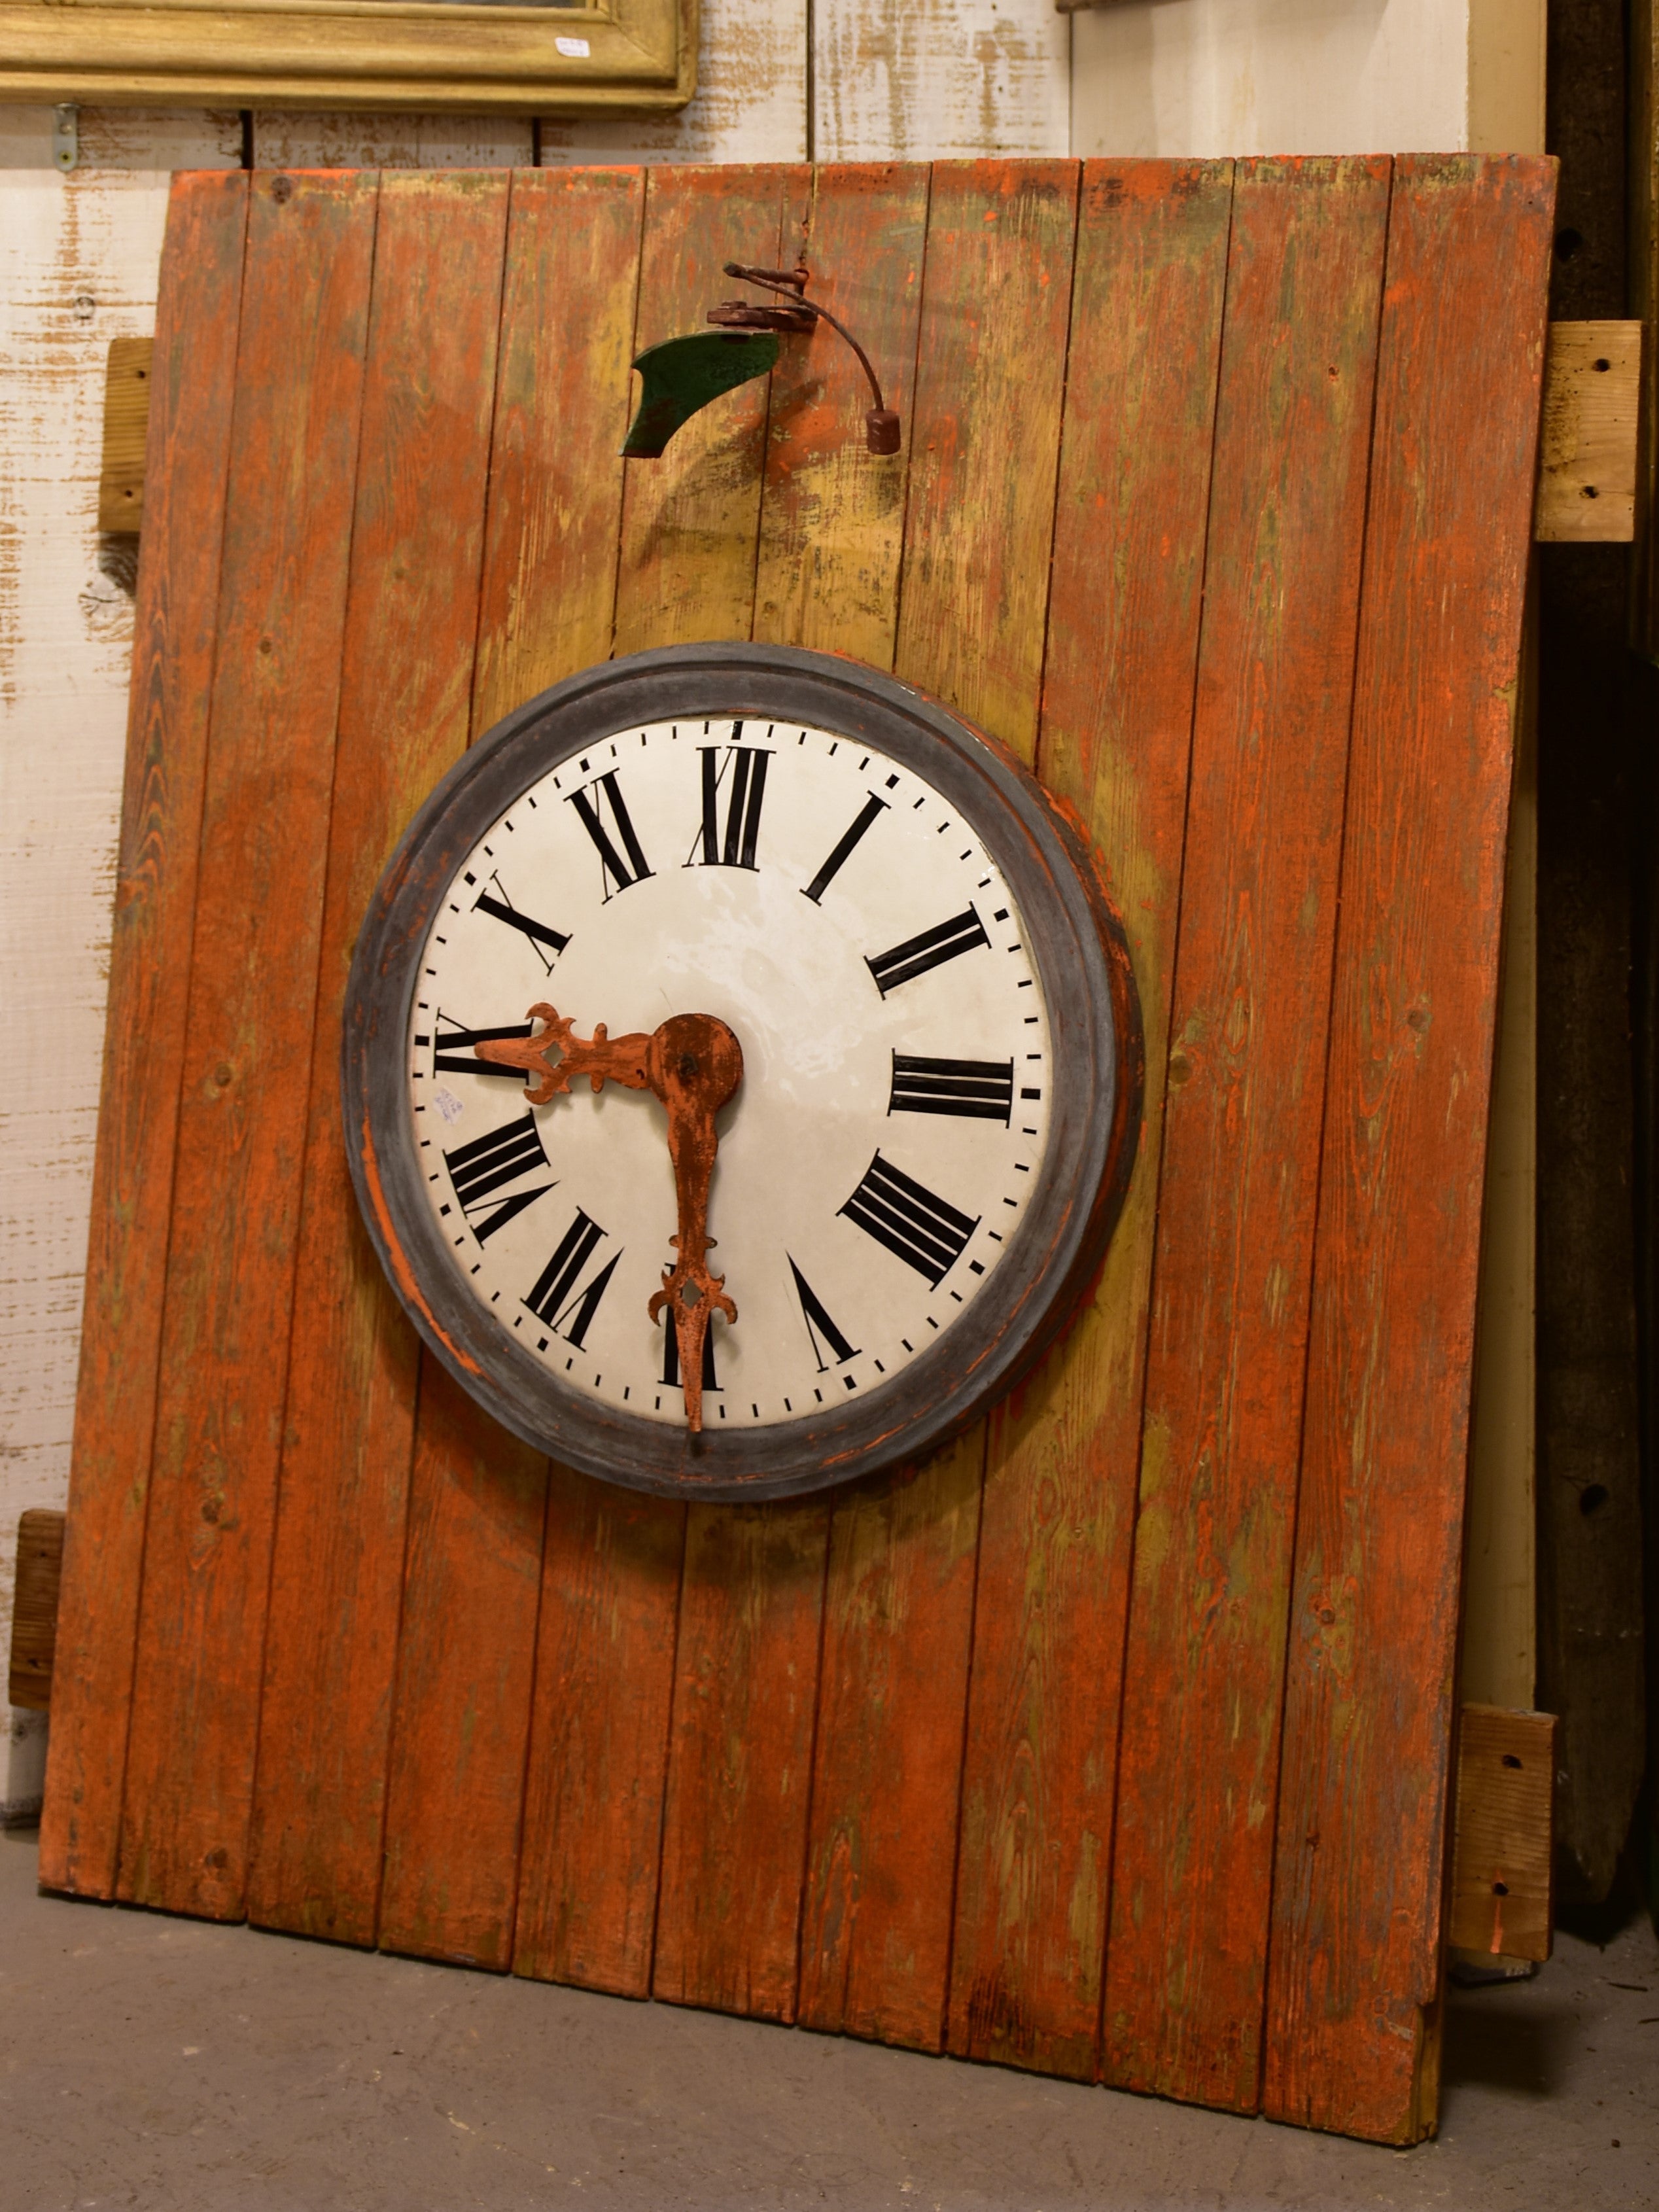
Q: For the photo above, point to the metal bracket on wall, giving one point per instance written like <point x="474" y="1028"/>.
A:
<point x="66" y="136"/>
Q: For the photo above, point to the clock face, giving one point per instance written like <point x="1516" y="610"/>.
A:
<point x="916" y="1152"/>
<point x="832" y="907"/>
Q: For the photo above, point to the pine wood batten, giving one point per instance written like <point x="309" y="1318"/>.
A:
<point x="624" y="56"/>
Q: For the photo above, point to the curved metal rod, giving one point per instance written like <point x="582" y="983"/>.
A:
<point x="793" y="284"/>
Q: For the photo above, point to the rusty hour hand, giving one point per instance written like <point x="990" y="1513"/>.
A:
<point x="696" y="1065"/>
<point x="600" y="1058"/>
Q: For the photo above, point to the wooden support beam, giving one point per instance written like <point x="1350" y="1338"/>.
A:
<point x="126" y="426"/>
<point x="1592" y="408"/>
<point x="34" y="1619"/>
<point x="1502" y="1854"/>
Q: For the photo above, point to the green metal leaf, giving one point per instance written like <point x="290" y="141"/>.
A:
<point x="682" y="375"/>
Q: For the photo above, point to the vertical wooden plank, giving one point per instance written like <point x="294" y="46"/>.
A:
<point x="1203" y="1681"/>
<point x="832" y="516"/>
<point x="466" y="1664"/>
<point x="609" y="1579"/>
<point x="405" y="693"/>
<point x="1353" y="2036"/>
<point x="248" y="1043"/>
<point x="197" y="320"/>
<point x="687" y="567"/>
<point x="1116" y="734"/>
<point x="739" y="1765"/>
<point x="984" y="441"/>
<point x="565" y="400"/>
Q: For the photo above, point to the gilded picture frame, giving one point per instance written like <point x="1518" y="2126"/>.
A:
<point x="608" y="57"/>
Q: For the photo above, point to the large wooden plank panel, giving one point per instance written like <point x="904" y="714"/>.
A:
<point x="1118" y="709"/>
<point x="338" y="1570"/>
<point x="1353" y="2032"/>
<point x="195" y="357"/>
<point x="983" y="443"/>
<point x="248" y="1042"/>
<point x="1186" y="1967"/>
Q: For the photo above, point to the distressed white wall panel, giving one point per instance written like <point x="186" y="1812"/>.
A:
<point x="79" y="257"/>
<point x="749" y="104"/>
<point x="930" y="79"/>
<point x="287" y="141"/>
<point x="1210" y="78"/>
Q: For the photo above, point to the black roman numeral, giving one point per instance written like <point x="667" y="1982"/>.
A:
<point x="838" y="859"/>
<point x="481" y="1167"/>
<point x="819" y="1325"/>
<point x="671" y="1358"/>
<point x="555" y="1301"/>
<point x="621" y="868"/>
<point x="745" y="766"/>
<point x="903" y="962"/>
<point x="906" y="1216"/>
<point x="976" y="1089"/>
<point x="497" y="905"/>
<point x="450" y="1046"/>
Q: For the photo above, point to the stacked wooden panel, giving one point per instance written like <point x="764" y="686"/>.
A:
<point x="1113" y="1742"/>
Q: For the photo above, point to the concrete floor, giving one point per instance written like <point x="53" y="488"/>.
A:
<point x="178" y="2067"/>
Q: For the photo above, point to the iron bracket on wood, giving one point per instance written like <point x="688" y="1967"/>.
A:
<point x="881" y="423"/>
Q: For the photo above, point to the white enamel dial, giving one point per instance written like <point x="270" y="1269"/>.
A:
<point x="891" y="1125"/>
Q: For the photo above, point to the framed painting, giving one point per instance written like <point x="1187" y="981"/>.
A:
<point x="527" y="57"/>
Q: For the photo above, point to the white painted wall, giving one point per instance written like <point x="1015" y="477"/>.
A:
<point x="889" y="79"/>
<point x="1308" y="77"/>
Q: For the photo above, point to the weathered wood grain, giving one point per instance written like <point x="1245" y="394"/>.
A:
<point x="39" y="1580"/>
<point x="937" y="80"/>
<point x="195" y="357"/>
<point x="689" y="520"/>
<point x="598" y="1741"/>
<point x="405" y="685"/>
<point x="466" y="1663"/>
<point x="556" y="466"/>
<point x="1353" y="2029"/>
<point x="1239" y="1185"/>
<point x="1503" y="1856"/>
<point x="248" y="1043"/>
<point x="1117" y="730"/>
<point x="609" y="1594"/>
<point x="983" y="439"/>
<point x="740" y="1759"/>
<point x="127" y="431"/>
<point x="832" y="515"/>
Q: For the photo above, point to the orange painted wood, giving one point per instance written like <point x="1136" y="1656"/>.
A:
<point x="338" y="1571"/>
<point x="832" y="512"/>
<point x="599" y="1739"/>
<point x="189" y="457"/>
<point x="984" y="440"/>
<point x="686" y="568"/>
<point x="1222" y="1422"/>
<point x="1059" y="1526"/>
<point x="610" y="1588"/>
<point x="465" y="1665"/>
<point x="898" y="1614"/>
<point x="740" y="1759"/>
<point x="566" y="399"/>
<point x="1354" y="2036"/>
<point x="247" y="1052"/>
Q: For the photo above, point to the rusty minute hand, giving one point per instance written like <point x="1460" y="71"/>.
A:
<point x="602" y="1058"/>
<point x="695" y="1064"/>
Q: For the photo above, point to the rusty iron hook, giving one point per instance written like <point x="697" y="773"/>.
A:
<point x="881" y="424"/>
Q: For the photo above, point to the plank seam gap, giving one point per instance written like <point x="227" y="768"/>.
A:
<point x="396" y="1684"/>
<point x="1265" y="2015"/>
<point x="650" y="1988"/>
<point x="1060" y="458"/>
<point x="119" y="1839"/>
<point x="510" y="1952"/>
<point x="786" y="192"/>
<point x="316" y="998"/>
<point x="962" y="1754"/>
<point x="812" y="1759"/>
<point x="910" y="434"/>
<point x="1155" y="1166"/>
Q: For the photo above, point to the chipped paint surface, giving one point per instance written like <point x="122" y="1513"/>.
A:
<point x="749" y="104"/>
<point x="79" y="257"/>
<point x="933" y="79"/>
<point x="292" y="141"/>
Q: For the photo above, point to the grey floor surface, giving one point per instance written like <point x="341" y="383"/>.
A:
<point x="179" y="2066"/>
